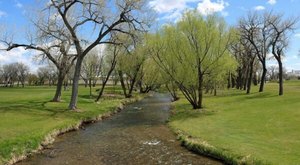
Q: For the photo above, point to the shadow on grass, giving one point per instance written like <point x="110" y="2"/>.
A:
<point x="35" y="108"/>
<point x="257" y="95"/>
<point x="185" y="111"/>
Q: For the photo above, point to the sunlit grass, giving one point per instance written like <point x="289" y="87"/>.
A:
<point x="261" y="125"/>
<point x="26" y="115"/>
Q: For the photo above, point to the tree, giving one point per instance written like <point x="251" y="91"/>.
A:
<point x="22" y="73"/>
<point x="74" y="19"/>
<point x="256" y="29"/>
<point x="272" y="73"/>
<point x="32" y="79"/>
<point x="49" y="37"/>
<point x="10" y="74"/>
<point x="112" y="53"/>
<point x="192" y="49"/>
<point x="280" y="38"/>
<point x="244" y="53"/>
<point x="130" y="63"/>
<point x="151" y="77"/>
<point x="122" y="16"/>
<point x="91" y="68"/>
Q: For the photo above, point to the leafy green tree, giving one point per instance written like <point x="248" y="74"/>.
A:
<point x="192" y="50"/>
<point x="130" y="63"/>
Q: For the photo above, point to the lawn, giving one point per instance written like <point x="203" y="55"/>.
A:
<point x="261" y="126"/>
<point x="27" y="116"/>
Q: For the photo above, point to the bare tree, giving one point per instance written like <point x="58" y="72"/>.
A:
<point x="91" y="69"/>
<point x="280" y="37"/>
<point x="244" y="53"/>
<point x="10" y="74"/>
<point x="272" y="72"/>
<point x="256" y="29"/>
<point x="47" y="73"/>
<point x="107" y="17"/>
<point x="50" y="38"/>
<point x="22" y="73"/>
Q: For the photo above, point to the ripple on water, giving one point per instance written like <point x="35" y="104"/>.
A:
<point x="137" y="135"/>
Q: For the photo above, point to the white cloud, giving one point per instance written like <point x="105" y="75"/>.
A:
<point x="297" y="35"/>
<point x="173" y="9"/>
<point x="17" y="55"/>
<point x="225" y="13"/>
<point x="2" y="13"/>
<point x="272" y="2"/>
<point x="259" y="8"/>
<point x="166" y="6"/>
<point x="19" y="5"/>
<point x="207" y="7"/>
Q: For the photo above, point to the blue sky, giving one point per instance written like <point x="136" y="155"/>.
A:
<point x="13" y="15"/>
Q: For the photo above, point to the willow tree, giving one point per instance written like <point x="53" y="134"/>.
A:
<point x="150" y="76"/>
<point x="192" y="50"/>
<point x="108" y="65"/>
<point x="130" y="63"/>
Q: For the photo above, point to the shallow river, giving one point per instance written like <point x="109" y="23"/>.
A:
<point x="137" y="135"/>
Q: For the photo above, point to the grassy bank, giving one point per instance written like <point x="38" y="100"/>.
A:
<point x="28" y="119"/>
<point x="257" y="128"/>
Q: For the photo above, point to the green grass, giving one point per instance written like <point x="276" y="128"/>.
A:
<point x="27" y="116"/>
<point x="260" y="126"/>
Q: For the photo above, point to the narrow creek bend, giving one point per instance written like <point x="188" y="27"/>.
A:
<point x="133" y="136"/>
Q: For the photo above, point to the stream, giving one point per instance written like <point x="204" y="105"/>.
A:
<point x="136" y="135"/>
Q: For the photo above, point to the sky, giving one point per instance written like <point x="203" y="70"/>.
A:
<point x="14" y="13"/>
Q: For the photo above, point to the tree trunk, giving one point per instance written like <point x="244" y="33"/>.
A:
<point x="229" y="81"/>
<point x="101" y="91"/>
<point x="123" y="84"/>
<point x="60" y="80"/>
<point x="250" y="77"/>
<point x="105" y="81"/>
<point x="90" y="86"/>
<point x="85" y="82"/>
<point x="263" y="77"/>
<point x="172" y="91"/>
<point x="280" y="77"/>
<point x="74" y="95"/>
<point x="245" y="80"/>
<point x="200" y="92"/>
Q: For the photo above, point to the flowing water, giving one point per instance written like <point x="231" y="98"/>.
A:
<point x="137" y="135"/>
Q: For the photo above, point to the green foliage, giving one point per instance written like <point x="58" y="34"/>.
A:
<point x="262" y="127"/>
<point x="193" y="52"/>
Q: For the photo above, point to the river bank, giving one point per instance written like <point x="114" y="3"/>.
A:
<point x="259" y="128"/>
<point x="29" y="122"/>
<point x="137" y="135"/>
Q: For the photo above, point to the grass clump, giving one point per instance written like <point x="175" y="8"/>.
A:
<point x="260" y="128"/>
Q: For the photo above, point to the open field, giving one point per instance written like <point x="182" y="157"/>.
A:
<point x="27" y="116"/>
<point x="262" y="126"/>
